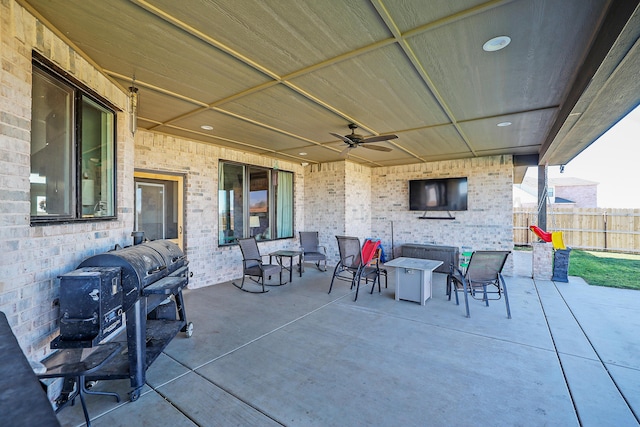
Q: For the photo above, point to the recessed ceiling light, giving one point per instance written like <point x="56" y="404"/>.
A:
<point x="504" y="124"/>
<point x="302" y="153"/>
<point x="496" y="43"/>
<point x="206" y="127"/>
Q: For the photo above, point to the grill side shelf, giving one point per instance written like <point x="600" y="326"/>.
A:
<point x="166" y="286"/>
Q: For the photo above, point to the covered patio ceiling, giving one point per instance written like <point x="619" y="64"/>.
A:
<point x="277" y="77"/>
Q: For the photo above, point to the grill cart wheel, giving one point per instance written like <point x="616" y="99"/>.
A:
<point x="189" y="330"/>
<point x="135" y="394"/>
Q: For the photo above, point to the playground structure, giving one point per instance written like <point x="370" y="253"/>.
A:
<point x="555" y="237"/>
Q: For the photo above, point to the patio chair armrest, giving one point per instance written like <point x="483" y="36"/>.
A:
<point x="323" y="249"/>
<point x="456" y="271"/>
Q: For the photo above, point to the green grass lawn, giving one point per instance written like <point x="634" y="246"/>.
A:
<point x="606" y="269"/>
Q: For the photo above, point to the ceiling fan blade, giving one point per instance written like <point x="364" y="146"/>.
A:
<point x="378" y="138"/>
<point x="345" y="153"/>
<point x="344" y="138"/>
<point x="377" y="148"/>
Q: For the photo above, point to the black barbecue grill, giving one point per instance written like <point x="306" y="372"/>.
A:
<point x="138" y="286"/>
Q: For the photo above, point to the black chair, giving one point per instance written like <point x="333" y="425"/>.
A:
<point x="375" y="262"/>
<point x="253" y="266"/>
<point x="353" y="265"/>
<point x="312" y="250"/>
<point x="482" y="279"/>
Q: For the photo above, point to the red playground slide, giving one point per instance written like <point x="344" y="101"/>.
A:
<point x="554" y="237"/>
<point x="544" y="235"/>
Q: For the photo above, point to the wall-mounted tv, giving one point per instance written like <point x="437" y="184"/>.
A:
<point x="442" y="194"/>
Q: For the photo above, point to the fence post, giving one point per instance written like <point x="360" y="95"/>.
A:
<point x="604" y="217"/>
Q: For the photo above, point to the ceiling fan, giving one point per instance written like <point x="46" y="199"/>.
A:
<point x="353" y="140"/>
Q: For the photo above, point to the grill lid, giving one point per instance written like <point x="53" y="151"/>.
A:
<point x="173" y="256"/>
<point x="141" y="266"/>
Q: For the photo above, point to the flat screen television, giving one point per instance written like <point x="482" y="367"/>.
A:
<point x="442" y="194"/>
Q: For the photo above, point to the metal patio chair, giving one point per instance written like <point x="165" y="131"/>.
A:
<point x="482" y="279"/>
<point x="352" y="266"/>
<point x="312" y="250"/>
<point x="252" y="266"/>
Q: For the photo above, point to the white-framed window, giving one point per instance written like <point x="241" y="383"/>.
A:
<point x="73" y="131"/>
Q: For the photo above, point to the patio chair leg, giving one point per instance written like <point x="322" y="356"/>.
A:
<point x="506" y="296"/>
<point x="455" y="291"/>
<point x="241" y="287"/>
<point x="335" y="270"/>
<point x="356" y="282"/>
<point x="373" y="285"/>
<point x="466" y="298"/>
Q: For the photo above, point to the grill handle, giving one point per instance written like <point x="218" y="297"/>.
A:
<point x="67" y="320"/>
<point x="157" y="269"/>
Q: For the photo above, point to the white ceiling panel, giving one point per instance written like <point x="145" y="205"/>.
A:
<point x="433" y="142"/>
<point x="283" y="36"/>
<point x="411" y="14"/>
<point x="158" y="106"/>
<point x="276" y="77"/>
<point x="129" y="41"/>
<point x="532" y="72"/>
<point x="525" y="130"/>
<point x="233" y="129"/>
<point x="288" y="110"/>
<point x="381" y="88"/>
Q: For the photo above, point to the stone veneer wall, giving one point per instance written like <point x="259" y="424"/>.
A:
<point x="33" y="257"/>
<point x="198" y="163"/>
<point x="486" y="225"/>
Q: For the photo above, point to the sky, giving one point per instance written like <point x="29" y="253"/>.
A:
<point x="613" y="161"/>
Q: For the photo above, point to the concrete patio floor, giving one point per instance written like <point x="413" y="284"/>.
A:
<point x="297" y="356"/>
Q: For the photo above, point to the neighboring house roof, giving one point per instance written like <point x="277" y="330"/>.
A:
<point x="562" y="200"/>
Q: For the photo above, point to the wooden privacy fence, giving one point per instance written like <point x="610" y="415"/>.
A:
<point x="604" y="229"/>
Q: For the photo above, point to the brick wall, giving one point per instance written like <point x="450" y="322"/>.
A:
<point x="542" y="260"/>
<point x="325" y="204"/>
<point x="366" y="202"/>
<point x="333" y="198"/>
<point x="358" y="200"/>
<point x="198" y="163"/>
<point x="486" y="225"/>
<point x="584" y="196"/>
<point x="33" y="257"/>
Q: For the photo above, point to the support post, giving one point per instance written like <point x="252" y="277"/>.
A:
<point x="542" y="197"/>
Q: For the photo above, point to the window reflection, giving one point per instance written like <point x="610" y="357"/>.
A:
<point x="259" y="204"/>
